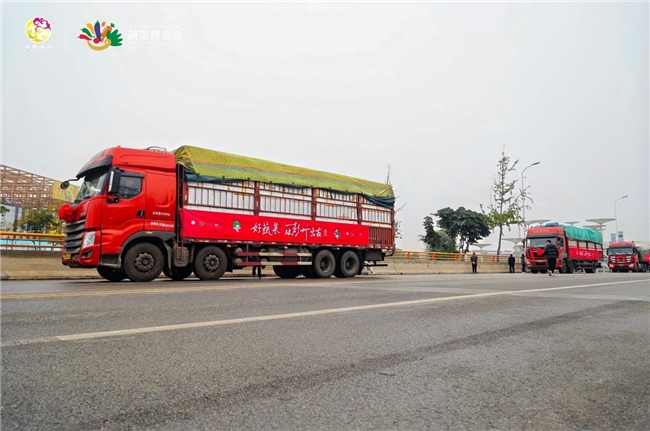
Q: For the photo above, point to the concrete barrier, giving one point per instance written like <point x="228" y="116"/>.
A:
<point x="44" y="265"/>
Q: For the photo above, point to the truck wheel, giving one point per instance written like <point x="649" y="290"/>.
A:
<point x="570" y="267"/>
<point x="210" y="263"/>
<point x="287" y="271"/>
<point x="533" y="271"/>
<point x="111" y="274"/>
<point x="324" y="264"/>
<point x="143" y="262"/>
<point x="309" y="272"/>
<point x="178" y="274"/>
<point x="347" y="265"/>
<point x="564" y="268"/>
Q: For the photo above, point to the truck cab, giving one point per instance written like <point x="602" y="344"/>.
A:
<point x="625" y="256"/>
<point x="126" y="195"/>
<point x="535" y="243"/>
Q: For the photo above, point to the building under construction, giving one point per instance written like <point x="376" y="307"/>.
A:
<point x="30" y="191"/>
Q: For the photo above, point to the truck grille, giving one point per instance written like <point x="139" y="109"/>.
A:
<point x="73" y="235"/>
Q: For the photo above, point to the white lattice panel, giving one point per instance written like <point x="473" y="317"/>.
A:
<point x="235" y="196"/>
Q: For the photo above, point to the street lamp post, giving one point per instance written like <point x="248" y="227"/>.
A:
<point x="615" y="216"/>
<point x="523" y="196"/>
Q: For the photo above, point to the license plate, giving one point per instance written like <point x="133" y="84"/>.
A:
<point x="68" y="256"/>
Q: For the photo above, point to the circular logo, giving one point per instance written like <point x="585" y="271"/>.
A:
<point x="38" y="30"/>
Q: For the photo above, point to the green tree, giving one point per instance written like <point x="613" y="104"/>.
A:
<point x="436" y="240"/>
<point x="504" y="209"/>
<point x="37" y="221"/>
<point x="3" y="210"/>
<point x="463" y="226"/>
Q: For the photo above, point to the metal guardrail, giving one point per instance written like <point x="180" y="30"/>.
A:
<point x="449" y="257"/>
<point x="54" y="242"/>
<point x="31" y="241"/>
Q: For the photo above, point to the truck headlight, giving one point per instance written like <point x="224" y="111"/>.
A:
<point x="89" y="239"/>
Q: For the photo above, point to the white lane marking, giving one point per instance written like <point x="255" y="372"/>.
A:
<point x="91" y="335"/>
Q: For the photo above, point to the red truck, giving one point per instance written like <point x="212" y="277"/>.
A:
<point x="625" y="256"/>
<point x="143" y="212"/>
<point x="578" y="248"/>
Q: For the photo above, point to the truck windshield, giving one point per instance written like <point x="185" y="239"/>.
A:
<point x="538" y="242"/>
<point x="621" y="250"/>
<point x="92" y="186"/>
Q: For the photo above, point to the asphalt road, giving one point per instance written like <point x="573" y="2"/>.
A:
<point x="472" y="352"/>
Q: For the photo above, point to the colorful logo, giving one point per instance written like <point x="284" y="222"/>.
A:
<point x="38" y="30"/>
<point x="236" y="225"/>
<point x="100" y="37"/>
<point x="337" y="234"/>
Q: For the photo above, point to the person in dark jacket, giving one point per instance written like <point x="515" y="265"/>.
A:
<point x="550" y="253"/>
<point x="523" y="262"/>
<point x="511" y="263"/>
<point x="474" y="260"/>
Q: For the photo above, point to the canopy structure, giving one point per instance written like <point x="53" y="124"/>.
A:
<point x="601" y="222"/>
<point x="540" y="220"/>
<point x="214" y="166"/>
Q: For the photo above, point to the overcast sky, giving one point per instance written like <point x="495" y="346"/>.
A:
<point x="433" y="89"/>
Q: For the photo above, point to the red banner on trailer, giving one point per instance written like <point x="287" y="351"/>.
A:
<point x="585" y="254"/>
<point x="222" y="226"/>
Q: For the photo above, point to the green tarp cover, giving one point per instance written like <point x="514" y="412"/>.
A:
<point x="206" y="164"/>
<point x="583" y="234"/>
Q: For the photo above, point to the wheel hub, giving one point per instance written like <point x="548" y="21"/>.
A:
<point x="144" y="262"/>
<point x="211" y="263"/>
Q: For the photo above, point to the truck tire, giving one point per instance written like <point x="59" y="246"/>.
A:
<point x="347" y="265"/>
<point x="287" y="271"/>
<point x="324" y="264"/>
<point x="210" y="263"/>
<point x="111" y="274"/>
<point x="143" y="262"/>
<point x="178" y="274"/>
<point x="564" y="268"/>
<point x="309" y="272"/>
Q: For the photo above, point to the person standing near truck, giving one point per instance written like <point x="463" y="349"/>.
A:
<point x="474" y="260"/>
<point x="523" y="262"/>
<point x="511" y="263"/>
<point x="550" y="253"/>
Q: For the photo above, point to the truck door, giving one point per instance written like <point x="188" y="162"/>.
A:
<point x="161" y="202"/>
<point x="124" y="216"/>
<point x="561" y="247"/>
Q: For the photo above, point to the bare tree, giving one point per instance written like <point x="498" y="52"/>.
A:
<point x="398" y="223"/>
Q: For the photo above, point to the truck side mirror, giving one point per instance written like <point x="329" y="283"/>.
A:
<point x="64" y="185"/>
<point x="114" y="178"/>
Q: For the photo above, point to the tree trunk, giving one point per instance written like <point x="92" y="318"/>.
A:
<point x="499" y="246"/>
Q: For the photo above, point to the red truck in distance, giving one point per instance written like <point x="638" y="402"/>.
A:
<point x="194" y="210"/>
<point x="578" y="248"/>
<point x="625" y="256"/>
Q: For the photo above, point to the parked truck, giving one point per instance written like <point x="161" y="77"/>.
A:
<point x="143" y="212"/>
<point x="625" y="256"/>
<point x="578" y="248"/>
